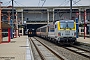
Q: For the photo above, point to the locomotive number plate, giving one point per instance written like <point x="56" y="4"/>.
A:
<point x="67" y="34"/>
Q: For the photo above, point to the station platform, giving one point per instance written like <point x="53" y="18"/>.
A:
<point x="86" y="40"/>
<point x="18" y="49"/>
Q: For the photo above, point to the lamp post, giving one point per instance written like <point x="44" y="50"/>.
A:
<point x="0" y="24"/>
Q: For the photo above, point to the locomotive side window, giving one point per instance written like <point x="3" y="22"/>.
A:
<point x="43" y="29"/>
<point x="55" y="26"/>
<point x="51" y="29"/>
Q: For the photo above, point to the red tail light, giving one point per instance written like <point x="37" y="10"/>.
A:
<point x="75" y="34"/>
<point x="59" y="34"/>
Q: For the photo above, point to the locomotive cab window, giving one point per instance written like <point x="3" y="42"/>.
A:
<point x="62" y="25"/>
<point x="66" y="25"/>
<point x="71" y="25"/>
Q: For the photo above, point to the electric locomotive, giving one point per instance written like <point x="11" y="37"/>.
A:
<point x="65" y="31"/>
<point x="62" y="31"/>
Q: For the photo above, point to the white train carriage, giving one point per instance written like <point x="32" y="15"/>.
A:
<point x="42" y="31"/>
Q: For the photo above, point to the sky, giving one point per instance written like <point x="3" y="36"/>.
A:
<point x="47" y="2"/>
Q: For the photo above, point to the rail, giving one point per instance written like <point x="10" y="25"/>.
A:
<point x="51" y="50"/>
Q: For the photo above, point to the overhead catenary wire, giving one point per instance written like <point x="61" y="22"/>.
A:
<point x="39" y="2"/>
<point x="18" y="3"/>
<point x="41" y="6"/>
<point x="7" y="3"/>
<point x="75" y="2"/>
<point x="65" y="2"/>
<point x="43" y="3"/>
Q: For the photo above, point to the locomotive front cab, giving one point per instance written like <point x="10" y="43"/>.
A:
<point x="31" y="32"/>
<point x="66" y="31"/>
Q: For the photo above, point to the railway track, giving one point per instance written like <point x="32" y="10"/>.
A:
<point x="79" y="51"/>
<point x="83" y="46"/>
<point x="84" y="49"/>
<point x="45" y="52"/>
<point x="75" y="52"/>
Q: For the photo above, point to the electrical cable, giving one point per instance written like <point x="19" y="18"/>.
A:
<point x="63" y="2"/>
<point x="18" y="3"/>
<point x="43" y="3"/>
<point x="39" y="2"/>
<point x="6" y="3"/>
<point x="75" y="2"/>
<point x="65" y="5"/>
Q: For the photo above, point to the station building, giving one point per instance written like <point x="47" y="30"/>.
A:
<point x="34" y="17"/>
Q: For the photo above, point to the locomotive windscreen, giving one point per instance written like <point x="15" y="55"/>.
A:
<point x="66" y="24"/>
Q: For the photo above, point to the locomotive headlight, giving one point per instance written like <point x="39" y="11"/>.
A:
<point x="59" y="34"/>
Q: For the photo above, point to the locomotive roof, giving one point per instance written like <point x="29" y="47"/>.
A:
<point x="63" y="21"/>
<point x="66" y="20"/>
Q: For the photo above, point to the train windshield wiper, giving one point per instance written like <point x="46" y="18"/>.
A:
<point x="69" y="27"/>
